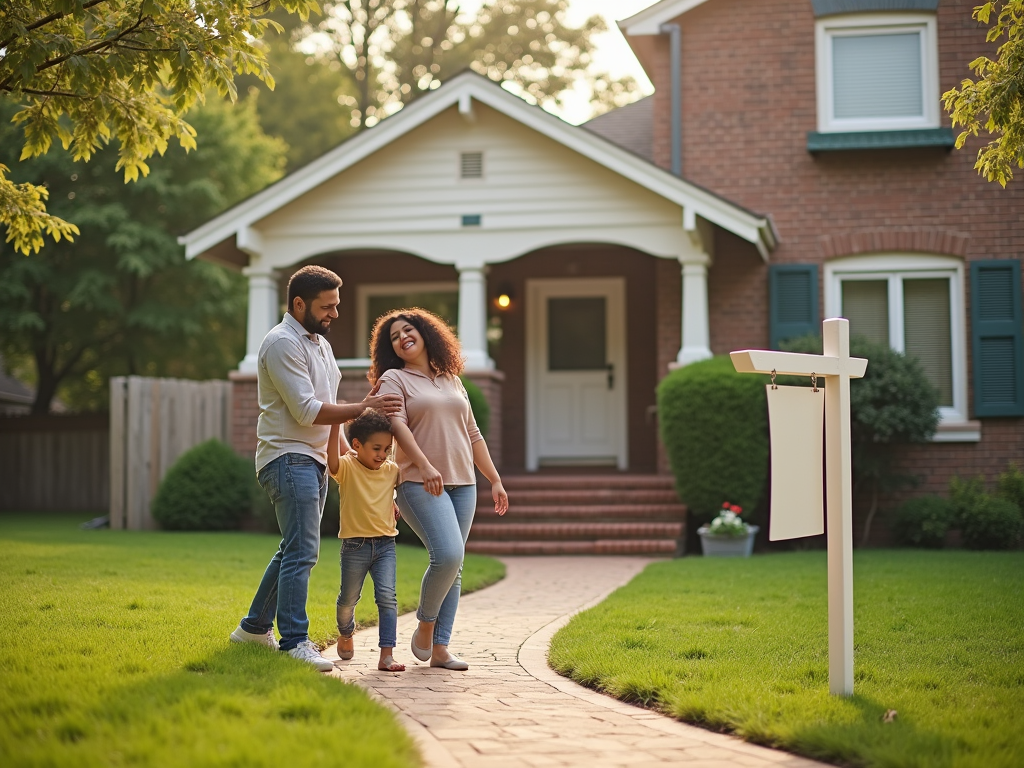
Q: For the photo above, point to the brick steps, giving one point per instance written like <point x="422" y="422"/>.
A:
<point x="587" y="513"/>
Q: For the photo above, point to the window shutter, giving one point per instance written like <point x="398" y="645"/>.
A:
<point x="997" y="338"/>
<point x="793" y="301"/>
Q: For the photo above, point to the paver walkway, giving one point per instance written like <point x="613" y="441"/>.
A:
<point x="510" y="709"/>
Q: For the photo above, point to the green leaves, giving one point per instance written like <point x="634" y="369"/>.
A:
<point x="89" y="72"/>
<point x="995" y="100"/>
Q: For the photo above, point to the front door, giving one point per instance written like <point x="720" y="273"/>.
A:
<point x="576" y="373"/>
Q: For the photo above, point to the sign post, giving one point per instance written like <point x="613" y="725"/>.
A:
<point x="837" y="368"/>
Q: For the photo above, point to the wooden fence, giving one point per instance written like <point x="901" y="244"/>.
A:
<point x="153" y="422"/>
<point x="54" y="463"/>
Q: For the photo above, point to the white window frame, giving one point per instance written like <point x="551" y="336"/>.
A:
<point x="893" y="268"/>
<point x="365" y="290"/>
<point x="879" y="23"/>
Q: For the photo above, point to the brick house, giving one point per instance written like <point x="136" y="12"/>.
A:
<point x="793" y="163"/>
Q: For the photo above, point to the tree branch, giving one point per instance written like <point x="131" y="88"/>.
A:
<point x="47" y="20"/>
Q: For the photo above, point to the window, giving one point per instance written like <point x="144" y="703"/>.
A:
<point x="915" y="305"/>
<point x="378" y="299"/>
<point x="877" y="72"/>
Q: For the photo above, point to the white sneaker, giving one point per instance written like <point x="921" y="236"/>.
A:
<point x="241" y="636"/>
<point x="307" y="652"/>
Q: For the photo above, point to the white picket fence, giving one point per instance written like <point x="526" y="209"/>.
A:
<point x="153" y="422"/>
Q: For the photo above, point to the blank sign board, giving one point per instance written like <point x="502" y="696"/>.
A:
<point x="796" y="416"/>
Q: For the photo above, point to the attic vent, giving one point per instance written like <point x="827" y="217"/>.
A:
<point x="472" y="165"/>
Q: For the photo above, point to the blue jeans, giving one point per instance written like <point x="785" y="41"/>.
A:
<point x="297" y="485"/>
<point x="375" y="556"/>
<point x="442" y="523"/>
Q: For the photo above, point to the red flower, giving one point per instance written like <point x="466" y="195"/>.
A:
<point x="726" y="505"/>
<point x="736" y="510"/>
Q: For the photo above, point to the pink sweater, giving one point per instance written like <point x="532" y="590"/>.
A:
<point x="438" y="414"/>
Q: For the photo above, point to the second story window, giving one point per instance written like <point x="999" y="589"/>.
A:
<point x="877" y="72"/>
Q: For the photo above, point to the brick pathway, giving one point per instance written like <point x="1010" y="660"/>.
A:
<point x="510" y="709"/>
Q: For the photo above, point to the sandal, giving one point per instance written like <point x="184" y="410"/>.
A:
<point x="388" y="664"/>
<point x="345" y="653"/>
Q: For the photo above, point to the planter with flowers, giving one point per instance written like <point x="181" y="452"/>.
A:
<point x="727" y="535"/>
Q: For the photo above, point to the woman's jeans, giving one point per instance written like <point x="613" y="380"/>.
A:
<point x="376" y="556"/>
<point x="297" y="485"/>
<point x="442" y="523"/>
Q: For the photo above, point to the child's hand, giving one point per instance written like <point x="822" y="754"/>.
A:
<point x="500" y="498"/>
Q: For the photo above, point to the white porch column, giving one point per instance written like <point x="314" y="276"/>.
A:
<point x="473" y="318"/>
<point x="263" y="313"/>
<point x="696" y="334"/>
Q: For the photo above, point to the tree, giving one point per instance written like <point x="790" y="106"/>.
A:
<point x="394" y="51"/>
<point x="122" y="298"/>
<point x="89" y="71"/>
<point x="996" y="99"/>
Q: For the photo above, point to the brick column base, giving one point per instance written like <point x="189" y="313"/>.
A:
<point x="490" y="383"/>
<point x="245" y="412"/>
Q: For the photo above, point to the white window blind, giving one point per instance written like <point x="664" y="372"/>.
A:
<point x="866" y="306"/>
<point x="877" y="76"/>
<point x="926" y="330"/>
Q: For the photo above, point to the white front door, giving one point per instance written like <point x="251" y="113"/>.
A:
<point x="576" y="372"/>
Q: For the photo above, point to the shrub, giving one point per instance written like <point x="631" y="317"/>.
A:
<point x="209" y="488"/>
<point x="964" y="496"/>
<point x="478" y="404"/>
<point x="1011" y="486"/>
<point x="714" y="424"/>
<point x="923" y="522"/>
<point x="992" y="523"/>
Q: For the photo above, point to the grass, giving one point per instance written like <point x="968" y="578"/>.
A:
<point x="116" y="654"/>
<point x="741" y="646"/>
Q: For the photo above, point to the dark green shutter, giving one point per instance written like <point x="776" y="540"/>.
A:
<point x="997" y="338"/>
<point x="793" y="293"/>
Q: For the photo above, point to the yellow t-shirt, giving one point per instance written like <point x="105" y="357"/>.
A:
<point x="367" y="498"/>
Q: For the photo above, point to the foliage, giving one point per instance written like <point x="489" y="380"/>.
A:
<point x="122" y="299"/>
<point x="207" y="489"/>
<point x="479" y="405"/>
<point x="996" y="98"/>
<point x="86" y="73"/>
<point x="992" y="523"/>
<point x="923" y="522"/>
<point x="965" y="495"/>
<point x="1011" y="486"/>
<point x="728" y="522"/>
<point x="391" y="52"/>
<point x="741" y="646"/>
<point x="893" y="404"/>
<point x="714" y="425"/>
<point x="136" y="624"/>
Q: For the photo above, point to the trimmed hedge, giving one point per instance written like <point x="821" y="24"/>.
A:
<point x="1011" y="486"/>
<point x="923" y="522"/>
<point x="992" y="523"/>
<point x="714" y="424"/>
<point x="478" y="404"/>
<point x="209" y="488"/>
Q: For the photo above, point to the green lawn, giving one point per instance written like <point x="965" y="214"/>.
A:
<point x="116" y="654"/>
<point x="741" y="646"/>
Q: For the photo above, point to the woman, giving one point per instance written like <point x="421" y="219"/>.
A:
<point x="415" y="355"/>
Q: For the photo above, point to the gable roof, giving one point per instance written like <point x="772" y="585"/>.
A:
<point x="631" y="127"/>
<point x="462" y="90"/>
<point x="649" y="20"/>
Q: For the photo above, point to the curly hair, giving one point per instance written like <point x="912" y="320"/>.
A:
<point x="366" y="424"/>
<point x="443" y="350"/>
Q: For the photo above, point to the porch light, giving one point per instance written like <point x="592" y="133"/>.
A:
<point x="505" y="297"/>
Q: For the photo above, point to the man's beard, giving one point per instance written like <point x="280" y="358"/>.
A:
<point x="312" y="325"/>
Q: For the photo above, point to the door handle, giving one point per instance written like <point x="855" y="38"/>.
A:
<point x="611" y="376"/>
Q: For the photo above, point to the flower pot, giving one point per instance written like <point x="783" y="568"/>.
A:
<point x="727" y="546"/>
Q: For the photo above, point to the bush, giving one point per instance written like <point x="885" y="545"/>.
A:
<point x="714" y="424"/>
<point x="964" y="496"/>
<point x="209" y="488"/>
<point x="478" y="404"/>
<point x="1011" y="486"/>
<point x="923" y="522"/>
<point x="992" y="523"/>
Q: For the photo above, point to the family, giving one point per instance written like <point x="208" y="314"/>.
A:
<point x="419" y="405"/>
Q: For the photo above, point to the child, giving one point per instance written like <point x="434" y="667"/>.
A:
<point x="367" y="478"/>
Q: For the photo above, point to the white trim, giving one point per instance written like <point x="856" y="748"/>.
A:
<point x="893" y="267"/>
<point x="649" y="20"/>
<point x="614" y="288"/>
<point x="365" y="290"/>
<point x="826" y="29"/>
<point x="749" y="226"/>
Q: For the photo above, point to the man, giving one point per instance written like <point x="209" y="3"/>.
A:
<point x="298" y="383"/>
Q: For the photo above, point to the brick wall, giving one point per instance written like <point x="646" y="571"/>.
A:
<point x="490" y="383"/>
<point x="245" y="410"/>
